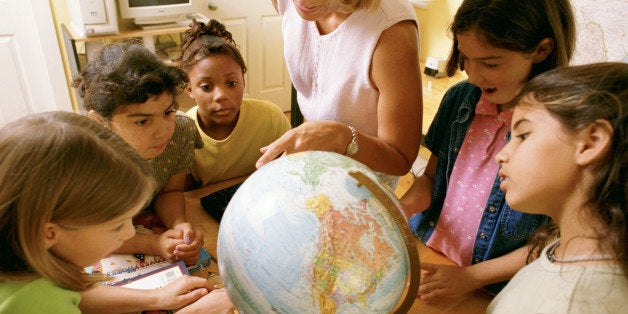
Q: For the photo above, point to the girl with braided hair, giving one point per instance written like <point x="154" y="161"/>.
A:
<point x="233" y="128"/>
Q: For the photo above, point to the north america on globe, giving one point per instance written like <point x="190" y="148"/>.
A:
<point x="352" y="254"/>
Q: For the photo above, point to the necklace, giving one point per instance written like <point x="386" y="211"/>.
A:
<point x="580" y="258"/>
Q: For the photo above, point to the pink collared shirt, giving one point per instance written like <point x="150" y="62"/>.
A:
<point x="470" y="183"/>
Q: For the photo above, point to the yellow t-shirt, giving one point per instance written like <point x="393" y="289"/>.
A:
<point x="259" y="124"/>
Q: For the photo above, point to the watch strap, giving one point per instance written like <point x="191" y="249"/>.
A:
<point x="352" y="147"/>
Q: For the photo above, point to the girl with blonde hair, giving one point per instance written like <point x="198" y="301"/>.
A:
<point x="66" y="182"/>
<point x="70" y="188"/>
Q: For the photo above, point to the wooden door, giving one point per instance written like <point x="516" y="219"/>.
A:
<point x="256" y="28"/>
<point x="31" y="76"/>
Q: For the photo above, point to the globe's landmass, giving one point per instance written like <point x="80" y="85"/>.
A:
<point x="316" y="232"/>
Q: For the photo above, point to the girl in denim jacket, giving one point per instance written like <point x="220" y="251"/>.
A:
<point x="571" y="121"/>
<point x="457" y="205"/>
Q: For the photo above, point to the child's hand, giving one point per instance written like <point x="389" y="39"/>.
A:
<point x="189" y="250"/>
<point x="216" y="301"/>
<point x="185" y="230"/>
<point x="181" y="292"/>
<point x="444" y="282"/>
<point x="167" y="244"/>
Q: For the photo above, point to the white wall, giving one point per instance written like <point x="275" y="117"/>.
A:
<point x="601" y="31"/>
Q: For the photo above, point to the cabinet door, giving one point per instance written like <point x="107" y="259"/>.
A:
<point x="256" y="28"/>
<point x="31" y="76"/>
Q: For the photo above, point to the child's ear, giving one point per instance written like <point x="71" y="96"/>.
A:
<point x="50" y="234"/>
<point x="543" y="49"/>
<point x="96" y="116"/>
<point x="188" y="90"/>
<point x="594" y="141"/>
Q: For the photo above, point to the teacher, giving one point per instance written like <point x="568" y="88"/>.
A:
<point x="355" y="66"/>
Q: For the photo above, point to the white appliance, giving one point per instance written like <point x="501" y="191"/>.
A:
<point x="93" y="17"/>
<point x="435" y="67"/>
<point x="150" y="14"/>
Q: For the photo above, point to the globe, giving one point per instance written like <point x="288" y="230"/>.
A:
<point x="317" y="232"/>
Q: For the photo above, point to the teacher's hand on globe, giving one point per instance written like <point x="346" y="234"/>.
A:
<point x="321" y="135"/>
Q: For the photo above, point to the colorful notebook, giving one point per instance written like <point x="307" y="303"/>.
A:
<point x="122" y="267"/>
<point x="157" y="278"/>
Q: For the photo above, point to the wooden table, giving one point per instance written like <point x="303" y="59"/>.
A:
<point x="472" y="303"/>
<point x="200" y="219"/>
<point x="476" y="302"/>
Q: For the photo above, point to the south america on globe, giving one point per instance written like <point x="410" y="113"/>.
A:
<point x="317" y="232"/>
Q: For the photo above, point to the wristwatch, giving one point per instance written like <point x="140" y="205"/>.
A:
<point x="352" y="147"/>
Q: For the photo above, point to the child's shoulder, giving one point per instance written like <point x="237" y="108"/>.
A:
<point x="184" y="120"/>
<point x="258" y="102"/>
<point x="186" y="130"/>
<point x="191" y="113"/>
<point x="460" y="92"/>
<point x="185" y="117"/>
<point x="264" y="113"/>
<point x="463" y="87"/>
<point x="28" y="296"/>
<point x="260" y="105"/>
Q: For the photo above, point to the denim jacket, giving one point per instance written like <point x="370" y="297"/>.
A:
<point x="502" y="229"/>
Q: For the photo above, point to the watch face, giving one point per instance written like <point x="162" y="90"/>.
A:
<point x="352" y="149"/>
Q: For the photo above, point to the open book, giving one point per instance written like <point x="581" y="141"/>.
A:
<point x="123" y="267"/>
<point x="157" y="278"/>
